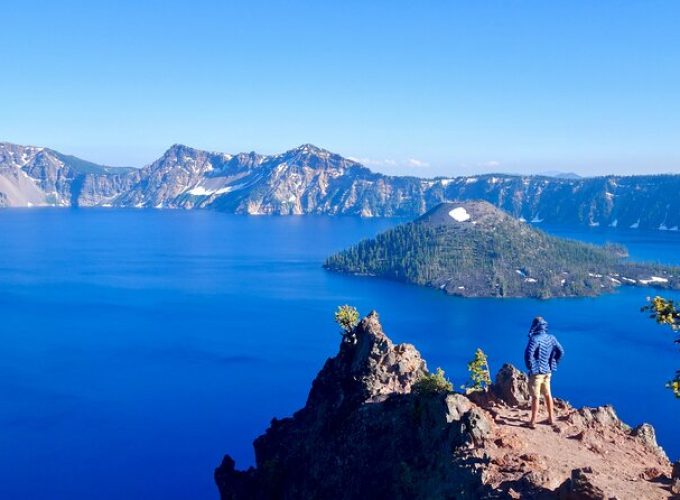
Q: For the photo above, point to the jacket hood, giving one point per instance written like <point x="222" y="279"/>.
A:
<point x="538" y="325"/>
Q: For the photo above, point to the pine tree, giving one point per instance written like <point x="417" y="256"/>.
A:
<point x="480" y="377"/>
<point x="665" y="312"/>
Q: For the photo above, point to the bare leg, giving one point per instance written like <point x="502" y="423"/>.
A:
<point x="534" y="411"/>
<point x="549" y="404"/>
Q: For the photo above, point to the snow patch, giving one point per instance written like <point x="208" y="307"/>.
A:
<point x="635" y="225"/>
<point x="202" y="191"/>
<point x="654" y="279"/>
<point x="530" y="280"/>
<point x="459" y="214"/>
<point x="614" y="223"/>
<point x="199" y="191"/>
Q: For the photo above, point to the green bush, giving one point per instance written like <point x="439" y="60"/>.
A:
<point x="664" y="312"/>
<point x="480" y="377"/>
<point x="348" y="318"/>
<point x="432" y="383"/>
<point x="674" y="385"/>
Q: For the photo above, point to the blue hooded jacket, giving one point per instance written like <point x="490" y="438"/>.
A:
<point x="543" y="351"/>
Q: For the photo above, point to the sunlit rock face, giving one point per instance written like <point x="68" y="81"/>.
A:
<point x="34" y="176"/>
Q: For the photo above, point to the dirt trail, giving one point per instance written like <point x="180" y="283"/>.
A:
<point x="591" y="446"/>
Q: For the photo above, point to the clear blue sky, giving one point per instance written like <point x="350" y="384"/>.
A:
<point x="422" y="87"/>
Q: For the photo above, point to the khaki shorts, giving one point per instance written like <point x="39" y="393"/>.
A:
<point x="539" y="384"/>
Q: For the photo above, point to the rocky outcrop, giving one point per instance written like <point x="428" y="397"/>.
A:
<point x="311" y="180"/>
<point x="647" y="436"/>
<point x="675" y="479"/>
<point x="368" y="368"/>
<point x="364" y="433"/>
<point x="511" y="385"/>
<point x="581" y="487"/>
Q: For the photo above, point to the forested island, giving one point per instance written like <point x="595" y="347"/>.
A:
<point x="473" y="249"/>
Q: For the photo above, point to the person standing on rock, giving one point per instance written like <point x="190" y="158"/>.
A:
<point x="542" y="354"/>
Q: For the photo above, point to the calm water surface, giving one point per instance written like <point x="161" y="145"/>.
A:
<point x="140" y="346"/>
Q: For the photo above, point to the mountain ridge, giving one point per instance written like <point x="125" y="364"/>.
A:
<point x="313" y="180"/>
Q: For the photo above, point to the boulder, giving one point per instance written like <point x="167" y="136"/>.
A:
<point x="474" y="427"/>
<point x="646" y="434"/>
<point x="603" y="415"/>
<point x="511" y="386"/>
<point x="675" y="487"/>
<point x="675" y="479"/>
<point x="580" y="486"/>
<point x="457" y="405"/>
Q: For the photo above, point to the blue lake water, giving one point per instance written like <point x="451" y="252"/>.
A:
<point x="140" y="346"/>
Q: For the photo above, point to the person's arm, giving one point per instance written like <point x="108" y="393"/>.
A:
<point x="529" y="352"/>
<point x="558" y="351"/>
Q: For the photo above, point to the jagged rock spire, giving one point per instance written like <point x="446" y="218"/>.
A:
<point x="367" y="369"/>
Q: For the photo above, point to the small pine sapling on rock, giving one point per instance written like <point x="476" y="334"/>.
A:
<point x="348" y="318"/>
<point x="480" y="376"/>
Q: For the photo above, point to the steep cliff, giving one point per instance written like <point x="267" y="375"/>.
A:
<point x="365" y="434"/>
<point x="33" y="176"/>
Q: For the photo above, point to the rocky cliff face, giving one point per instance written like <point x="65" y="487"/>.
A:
<point x="311" y="180"/>
<point x="32" y="176"/>
<point x="365" y="434"/>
